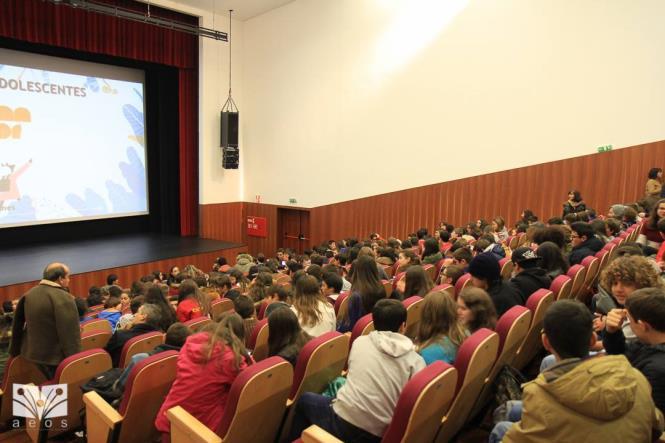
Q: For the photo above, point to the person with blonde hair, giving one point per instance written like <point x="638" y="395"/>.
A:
<point x="440" y="334"/>
<point x="315" y="315"/>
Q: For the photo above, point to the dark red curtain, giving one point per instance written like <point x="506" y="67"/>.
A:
<point x="36" y="21"/>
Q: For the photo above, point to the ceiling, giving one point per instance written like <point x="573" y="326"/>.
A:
<point x="242" y="9"/>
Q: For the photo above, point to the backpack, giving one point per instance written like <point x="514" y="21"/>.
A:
<point x="104" y="385"/>
<point x="508" y="385"/>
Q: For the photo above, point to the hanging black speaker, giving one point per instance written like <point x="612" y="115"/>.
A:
<point x="230" y="157"/>
<point x="229" y="127"/>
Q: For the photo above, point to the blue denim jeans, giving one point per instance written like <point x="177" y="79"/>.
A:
<point x="316" y="409"/>
<point x="504" y="417"/>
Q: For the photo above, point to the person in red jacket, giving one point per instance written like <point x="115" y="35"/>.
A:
<point x="192" y="303"/>
<point x="207" y="365"/>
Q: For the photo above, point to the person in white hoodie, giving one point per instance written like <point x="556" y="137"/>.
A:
<point x="380" y="364"/>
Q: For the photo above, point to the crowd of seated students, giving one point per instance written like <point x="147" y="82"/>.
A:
<point x="300" y="290"/>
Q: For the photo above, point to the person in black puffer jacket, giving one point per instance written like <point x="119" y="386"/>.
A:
<point x="528" y="276"/>
<point x="585" y="243"/>
<point x="646" y="310"/>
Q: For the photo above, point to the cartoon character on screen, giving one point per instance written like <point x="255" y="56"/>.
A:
<point x="8" y="186"/>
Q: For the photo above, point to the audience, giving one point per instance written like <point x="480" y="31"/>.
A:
<point x="147" y="319"/>
<point x="244" y="307"/>
<point x="645" y="310"/>
<point x="366" y="290"/>
<point x="415" y="282"/>
<point x="440" y="333"/>
<point x="112" y="311"/>
<point x="285" y="338"/>
<point x="584" y="241"/>
<point x="581" y="398"/>
<point x="528" y="276"/>
<point x="315" y="314"/>
<point x="380" y="364"/>
<point x="486" y="275"/>
<point x="167" y="315"/>
<point x="475" y="310"/>
<point x="208" y="363"/>
<point x="191" y="302"/>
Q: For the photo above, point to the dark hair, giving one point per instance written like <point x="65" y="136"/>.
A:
<point x="481" y="305"/>
<point x="552" y="258"/>
<point x="366" y="282"/>
<point x="555" y="221"/>
<point x="431" y="247"/>
<point x="454" y="272"/>
<point x="55" y="271"/>
<point x="554" y="234"/>
<point x="155" y="296"/>
<point x="221" y="281"/>
<point x="8" y="307"/>
<point x="418" y="282"/>
<point x="115" y="291"/>
<point x="81" y="307"/>
<point x="648" y="304"/>
<point x="421" y="233"/>
<point x="599" y="227"/>
<point x="278" y="290"/>
<point x="176" y="334"/>
<point x="94" y="296"/>
<point x="334" y="281"/>
<point x="137" y="288"/>
<point x="653" y="173"/>
<point x="463" y="254"/>
<point x="262" y="282"/>
<point x="568" y="326"/>
<point x="577" y="197"/>
<point x="582" y="229"/>
<point x="136" y="303"/>
<point x="614" y="226"/>
<point x="112" y="302"/>
<point x="244" y="306"/>
<point x="111" y="278"/>
<point x="444" y="236"/>
<point x="388" y="315"/>
<point x="653" y="217"/>
<point x="284" y="331"/>
<point x="232" y="294"/>
<point x="315" y="271"/>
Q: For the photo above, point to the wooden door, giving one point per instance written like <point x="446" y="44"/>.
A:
<point x="293" y="229"/>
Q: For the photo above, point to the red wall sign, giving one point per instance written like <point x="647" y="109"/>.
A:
<point x="257" y="226"/>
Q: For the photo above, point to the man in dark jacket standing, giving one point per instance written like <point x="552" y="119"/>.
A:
<point x="528" y="276"/>
<point x="46" y="323"/>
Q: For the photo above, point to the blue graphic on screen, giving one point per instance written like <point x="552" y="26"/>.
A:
<point x="71" y="147"/>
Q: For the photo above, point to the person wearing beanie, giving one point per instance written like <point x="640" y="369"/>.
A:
<point x="528" y="276"/>
<point x="486" y="275"/>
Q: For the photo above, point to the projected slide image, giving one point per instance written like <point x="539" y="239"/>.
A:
<point x="72" y="147"/>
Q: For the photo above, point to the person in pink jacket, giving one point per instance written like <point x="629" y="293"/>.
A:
<point x="207" y="365"/>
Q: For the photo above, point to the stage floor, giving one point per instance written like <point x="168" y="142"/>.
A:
<point x="26" y="264"/>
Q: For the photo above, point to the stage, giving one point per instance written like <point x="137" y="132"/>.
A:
<point x="129" y="256"/>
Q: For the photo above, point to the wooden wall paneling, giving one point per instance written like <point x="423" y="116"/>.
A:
<point x="603" y="179"/>
<point x="80" y="283"/>
<point x="222" y="221"/>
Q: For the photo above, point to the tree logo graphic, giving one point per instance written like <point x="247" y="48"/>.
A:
<point x="39" y="403"/>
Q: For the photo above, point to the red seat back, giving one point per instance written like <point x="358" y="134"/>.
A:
<point x="258" y="340"/>
<point x="423" y="401"/>
<point x="561" y="287"/>
<point x="461" y="283"/>
<point x="141" y="343"/>
<point x="363" y="326"/>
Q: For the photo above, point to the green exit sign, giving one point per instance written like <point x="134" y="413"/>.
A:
<point x="293" y="201"/>
<point x="605" y="148"/>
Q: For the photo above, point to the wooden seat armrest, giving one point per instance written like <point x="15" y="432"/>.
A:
<point x="289" y="403"/>
<point x="1" y="393"/>
<point x="314" y="434"/>
<point x="185" y="428"/>
<point x="101" y="418"/>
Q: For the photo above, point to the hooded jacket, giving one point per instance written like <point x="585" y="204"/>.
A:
<point x="530" y="280"/>
<point x="201" y="388"/>
<point x="380" y="364"/>
<point x="599" y="400"/>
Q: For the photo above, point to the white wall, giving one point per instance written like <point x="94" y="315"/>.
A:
<point x="216" y="185"/>
<point x="349" y="98"/>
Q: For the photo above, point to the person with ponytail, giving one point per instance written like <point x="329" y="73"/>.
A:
<point x="207" y="365"/>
